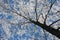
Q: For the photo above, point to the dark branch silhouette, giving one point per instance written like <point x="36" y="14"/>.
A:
<point x="54" y="22"/>
<point x="44" y="26"/>
<point x="47" y="28"/>
<point x="49" y="11"/>
<point x="36" y="10"/>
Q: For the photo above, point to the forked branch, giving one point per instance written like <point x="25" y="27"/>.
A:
<point x="49" y="11"/>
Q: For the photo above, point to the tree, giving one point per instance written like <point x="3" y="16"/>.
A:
<point x="43" y="13"/>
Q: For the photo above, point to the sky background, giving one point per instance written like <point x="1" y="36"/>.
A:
<point x="20" y="32"/>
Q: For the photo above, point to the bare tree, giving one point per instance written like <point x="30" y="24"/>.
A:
<point x="46" y="10"/>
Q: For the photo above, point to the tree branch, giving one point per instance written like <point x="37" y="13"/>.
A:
<point x="22" y="23"/>
<point x="41" y="14"/>
<point x="54" y="22"/>
<point x="45" y="34"/>
<point x="36" y="10"/>
<point x="48" y="11"/>
<point x="49" y="29"/>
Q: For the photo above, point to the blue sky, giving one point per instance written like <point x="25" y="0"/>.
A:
<point x="15" y="28"/>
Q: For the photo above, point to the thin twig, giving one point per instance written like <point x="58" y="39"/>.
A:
<point x="36" y="10"/>
<point x="54" y="22"/>
<point x="48" y="11"/>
